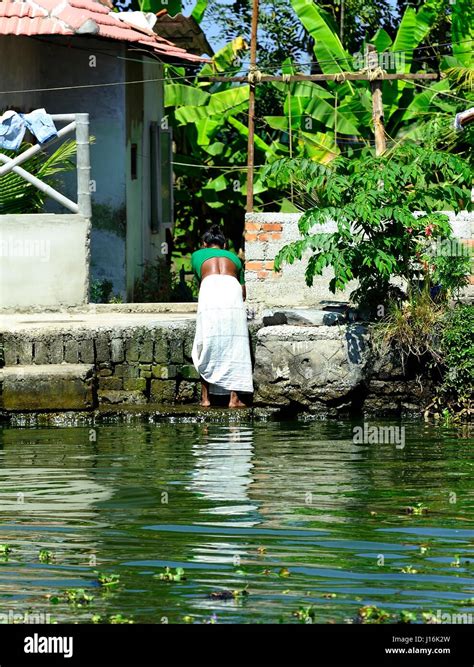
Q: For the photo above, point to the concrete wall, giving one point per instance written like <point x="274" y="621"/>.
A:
<point x="267" y="233"/>
<point x="44" y="261"/>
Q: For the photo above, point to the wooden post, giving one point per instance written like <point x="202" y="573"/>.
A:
<point x="251" y="144"/>
<point x="377" y="103"/>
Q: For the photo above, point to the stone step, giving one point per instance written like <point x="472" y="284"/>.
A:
<point x="47" y="387"/>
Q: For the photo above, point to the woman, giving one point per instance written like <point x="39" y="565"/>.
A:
<point x="221" y="350"/>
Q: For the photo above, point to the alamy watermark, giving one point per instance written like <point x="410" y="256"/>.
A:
<point x="450" y="248"/>
<point x="379" y="435"/>
<point x="12" y="617"/>
<point x="14" y="247"/>
<point x="464" y="618"/>
<point x="388" y="60"/>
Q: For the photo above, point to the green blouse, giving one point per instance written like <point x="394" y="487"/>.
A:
<point x="200" y="256"/>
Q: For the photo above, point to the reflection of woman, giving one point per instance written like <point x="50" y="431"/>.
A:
<point x="221" y="350"/>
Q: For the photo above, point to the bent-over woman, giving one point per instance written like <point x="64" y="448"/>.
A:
<point x="221" y="349"/>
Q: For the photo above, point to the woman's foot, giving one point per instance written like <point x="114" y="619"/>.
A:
<point x="235" y="401"/>
<point x="205" y="400"/>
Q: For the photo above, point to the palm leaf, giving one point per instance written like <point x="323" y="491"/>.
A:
<point x="17" y="195"/>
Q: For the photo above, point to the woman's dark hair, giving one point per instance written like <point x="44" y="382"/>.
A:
<point x="214" y="236"/>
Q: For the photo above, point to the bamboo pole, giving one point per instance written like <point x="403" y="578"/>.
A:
<point x="251" y="142"/>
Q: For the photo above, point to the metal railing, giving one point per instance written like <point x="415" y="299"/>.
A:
<point x="78" y="123"/>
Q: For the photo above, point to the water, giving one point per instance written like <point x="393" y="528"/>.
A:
<point x="234" y="505"/>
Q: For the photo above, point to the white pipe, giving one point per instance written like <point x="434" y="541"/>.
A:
<point x="47" y="189"/>
<point x="13" y="162"/>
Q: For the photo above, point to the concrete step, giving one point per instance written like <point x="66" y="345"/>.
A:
<point x="47" y="387"/>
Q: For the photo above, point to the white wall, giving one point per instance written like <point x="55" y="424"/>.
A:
<point x="288" y="288"/>
<point x="44" y="261"/>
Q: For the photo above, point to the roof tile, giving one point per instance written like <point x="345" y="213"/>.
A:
<point x="66" y="17"/>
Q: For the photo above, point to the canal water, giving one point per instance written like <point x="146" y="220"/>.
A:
<point x="295" y="514"/>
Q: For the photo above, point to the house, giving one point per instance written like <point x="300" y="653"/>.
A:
<point x="79" y="56"/>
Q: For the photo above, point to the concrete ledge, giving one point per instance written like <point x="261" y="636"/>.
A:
<point x="44" y="261"/>
<point x="47" y="387"/>
<point x="105" y="309"/>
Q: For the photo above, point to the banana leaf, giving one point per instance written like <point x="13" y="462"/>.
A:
<point x="178" y="95"/>
<point x="199" y="10"/>
<point x="223" y="101"/>
<point x="462" y="30"/>
<point x="331" y="55"/>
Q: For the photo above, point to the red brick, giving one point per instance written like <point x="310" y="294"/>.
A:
<point x="264" y="237"/>
<point x="262" y="274"/>
<point x="271" y="227"/>
<point x="269" y="265"/>
<point x="252" y="226"/>
<point x="276" y="236"/>
<point x="251" y="236"/>
<point x="254" y="266"/>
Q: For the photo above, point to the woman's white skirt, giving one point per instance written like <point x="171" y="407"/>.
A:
<point x="221" y="349"/>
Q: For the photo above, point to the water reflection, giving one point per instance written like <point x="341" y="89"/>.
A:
<point x="233" y="505"/>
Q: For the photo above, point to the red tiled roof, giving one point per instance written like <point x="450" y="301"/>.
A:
<point x="70" y="17"/>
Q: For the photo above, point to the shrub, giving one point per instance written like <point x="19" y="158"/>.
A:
<point x="410" y="327"/>
<point x="457" y="348"/>
<point x="386" y="213"/>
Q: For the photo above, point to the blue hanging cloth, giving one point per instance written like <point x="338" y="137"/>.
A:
<point x="41" y="125"/>
<point x="12" y="130"/>
<point x="13" y="126"/>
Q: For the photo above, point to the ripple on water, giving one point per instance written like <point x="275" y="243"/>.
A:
<point x="294" y="511"/>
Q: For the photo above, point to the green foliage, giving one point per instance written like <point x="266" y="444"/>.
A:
<point x="417" y="510"/>
<point x="168" y="575"/>
<point x="451" y="266"/>
<point x="17" y="195"/>
<point x="305" y="614"/>
<point x="373" y="203"/>
<point x="303" y="119"/>
<point x="457" y="348"/>
<point x="106" y="580"/>
<point x="76" y="597"/>
<point x="443" y="338"/>
<point x="371" y="614"/>
<point x="100" y="291"/>
<point x="158" y="284"/>
<point x="46" y="556"/>
<point x="237" y="594"/>
<point x="115" y="619"/>
<point x="5" y="550"/>
<point x="409" y="328"/>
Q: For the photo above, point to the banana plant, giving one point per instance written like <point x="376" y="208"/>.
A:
<point x="341" y="111"/>
<point x="316" y="121"/>
<point x="210" y="120"/>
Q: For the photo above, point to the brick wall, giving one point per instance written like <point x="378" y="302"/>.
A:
<point x="267" y="233"/>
